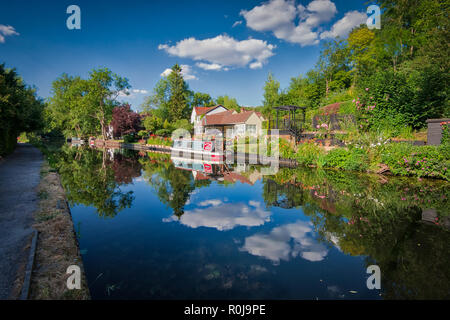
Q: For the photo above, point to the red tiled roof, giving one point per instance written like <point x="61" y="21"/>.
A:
<point x="259" y="114"/>
<point x="226" y="117"/>
<point x="202" y="110"/>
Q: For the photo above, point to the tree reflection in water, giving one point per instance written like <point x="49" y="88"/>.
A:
<point x="88" y="178"/>
<point x="380" y="218"/>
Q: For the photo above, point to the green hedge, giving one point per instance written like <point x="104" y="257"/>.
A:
<point x="8" y="141"/>
<point x="403" y="159"/>
<point x="423" y="161"/>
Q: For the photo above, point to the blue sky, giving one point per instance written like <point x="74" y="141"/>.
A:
<point x="226" y="47"/>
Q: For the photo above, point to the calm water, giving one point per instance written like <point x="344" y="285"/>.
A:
<point x="149" y="229"/>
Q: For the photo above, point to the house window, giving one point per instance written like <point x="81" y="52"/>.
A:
<point x="239" y="129"/>
<point x="251" y="129"/>
<point x="198" y="129"/>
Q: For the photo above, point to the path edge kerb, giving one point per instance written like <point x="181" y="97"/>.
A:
<point x="29" y="268"/>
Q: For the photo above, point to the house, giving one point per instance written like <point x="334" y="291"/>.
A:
<point x="199" y="112"/>
<point x="229" y="122"/>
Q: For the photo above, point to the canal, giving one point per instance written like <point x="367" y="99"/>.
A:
<point x="154" y="227"/>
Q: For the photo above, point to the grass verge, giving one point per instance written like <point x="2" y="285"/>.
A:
<point x="57" y="247"/>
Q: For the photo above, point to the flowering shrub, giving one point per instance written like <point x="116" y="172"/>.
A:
<point x="308" y="153"/>
<point x="445" y="132"/>
<point x="422" y="161"/>
<point x="286" y="150"/>
<point x="161" y="141"/>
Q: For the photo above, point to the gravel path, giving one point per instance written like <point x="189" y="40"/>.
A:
<point x="19" y="176"/>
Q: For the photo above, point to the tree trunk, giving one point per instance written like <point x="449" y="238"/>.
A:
<point x="102" y="120"/>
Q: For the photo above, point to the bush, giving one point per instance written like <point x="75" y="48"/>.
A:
<point x="160" y="141"/>
<point x="422" y="161"/>
<point x="152" y="123"/>
<point x="308" y="153"/>
<point x="129" y="138"/>
<point x="143" y="133"/>
<point x="395" y="99"/>
<point x="445" y="133"/>
<point x="163" y="132"/>
<point x="353" y="159"/>
<point x="286" y="151"/>
<point x="182" y="124"/>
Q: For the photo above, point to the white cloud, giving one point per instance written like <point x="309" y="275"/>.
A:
<point x="224" y="216"/>
<point x="256" y="65"/>
<point x="209" y="66"/>
<point x="131" y="94"/>
<point x="271" y="16"/>
<point x="212" y="202"/>
<point x="186" y="71"/>
<point x="343" y="27"/>
<point x="222" y="50"/>
<point x="6" y="31"/>
<point x="276" y="245"/>
<point x="124" y="93"/>
<point x="140" y="91"/>
<point x="279" y="17"/>
<point x="319" y="11"/>
<point x="239" y="22"/>
<point x="166" y="72"/>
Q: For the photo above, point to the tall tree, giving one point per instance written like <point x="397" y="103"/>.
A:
<point x="362" y="51"/>
<point x="21" y="110"/>
<point x="178" y="106"/>
<point x="158" y="103"/>
<point x="84" y="106"/>
<point x="104" y="88"/>
<point x="333" y="64"/>
<point x="201" y="99"/>
<point x="271" y="94"/>
<point x="170" y="98"/>
<point x="228" y="102"/>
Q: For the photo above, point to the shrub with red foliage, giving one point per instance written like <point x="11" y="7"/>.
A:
<point x="125" y="169"/>
<point x="125" y="121"/>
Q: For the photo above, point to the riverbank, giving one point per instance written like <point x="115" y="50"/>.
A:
<point x="57" y="246"/>
<point x="384" y="157"/>
<point x="400" y="159"/>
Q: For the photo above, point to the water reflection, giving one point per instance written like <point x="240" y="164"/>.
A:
<point x="92" y="178"/>
<point x="285" y="242"/>
<point x="221" y="215"/>
<point x="232" y="219"/>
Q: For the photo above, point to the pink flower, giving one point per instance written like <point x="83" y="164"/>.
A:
<point x="353" y="100"/>
<point x="367" y="89"/>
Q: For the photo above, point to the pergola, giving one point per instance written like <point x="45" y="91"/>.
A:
<point x="291" y="110"/>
